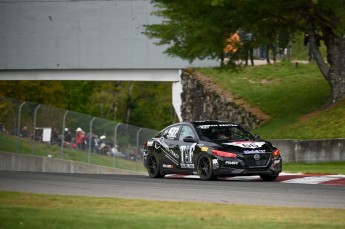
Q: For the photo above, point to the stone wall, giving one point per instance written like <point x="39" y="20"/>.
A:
<point x="204" y="100"/>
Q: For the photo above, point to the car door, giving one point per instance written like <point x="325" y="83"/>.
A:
<point x="186" y="149"/>
<point x="167" y="145"/>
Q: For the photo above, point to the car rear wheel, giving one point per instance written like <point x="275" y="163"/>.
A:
<point x="205" y="169"/>
<point x="269" y="177"/>
<point x="153" y="167"/>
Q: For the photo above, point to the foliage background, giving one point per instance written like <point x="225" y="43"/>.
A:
<point x="146" y="104"/>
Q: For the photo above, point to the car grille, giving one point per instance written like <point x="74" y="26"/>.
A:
<point x="251" y="162"/>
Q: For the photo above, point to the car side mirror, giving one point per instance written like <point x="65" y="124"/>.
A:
<point x="257" y="137"/>
<point x="190" y="139"/>
<point x="165" y="135"/>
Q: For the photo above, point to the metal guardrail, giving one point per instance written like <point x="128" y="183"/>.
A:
<point x="40" y="123"/>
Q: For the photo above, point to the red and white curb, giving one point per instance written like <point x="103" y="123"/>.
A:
<point x="294" y="178"/>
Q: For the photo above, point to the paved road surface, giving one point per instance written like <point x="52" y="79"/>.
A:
<point x="143" y="187"/>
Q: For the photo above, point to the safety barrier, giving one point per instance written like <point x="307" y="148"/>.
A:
<point x="71" y="135"/>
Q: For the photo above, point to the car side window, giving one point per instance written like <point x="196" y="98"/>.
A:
<point x="159" y="135"/>
<point x="186" y="131"/>
<point x="172" y="132"/>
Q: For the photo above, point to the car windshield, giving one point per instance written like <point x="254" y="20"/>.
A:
<point x="222" y="132"/>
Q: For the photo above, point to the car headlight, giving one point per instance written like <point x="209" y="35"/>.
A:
<point x="223" y="153"/>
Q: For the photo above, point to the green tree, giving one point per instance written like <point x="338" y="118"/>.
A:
<point x="192" y="29"/>
<point x="146" y="104"/>
<point x="77" y="95"/>
<point x="106" y="100"/>
<point x="43" y="92"/>
<point x="199" y="29"/>
<point x="152" y="105"/>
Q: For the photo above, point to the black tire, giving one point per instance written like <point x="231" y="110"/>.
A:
<point x="269" y="177"/>
<point x="205" y="168"/>
<point x="153" y="167"/>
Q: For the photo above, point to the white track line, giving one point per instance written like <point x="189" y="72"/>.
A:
<point x="313" y="179"/>
<point x="304" y="179"/>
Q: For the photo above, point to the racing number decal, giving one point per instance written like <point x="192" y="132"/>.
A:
<point x="173" y="132"/>
<point x="251" y="145"/>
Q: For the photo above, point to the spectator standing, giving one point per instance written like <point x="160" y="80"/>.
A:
<point x="271" y="46"/>
<point x="54" y="139"/>
<point x="95" y="142"/>
<point x="24" y="132"/>
<point x="79" y="138"/>
<point x="67" y="136"/>
<point x="248" y="47"/>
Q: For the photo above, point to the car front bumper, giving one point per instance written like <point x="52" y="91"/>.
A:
<point x="237" y="167"/>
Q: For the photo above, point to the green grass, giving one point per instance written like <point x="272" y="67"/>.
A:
<point x="328" y="123"/>
<point x="290" y="95"/>
<point x="23" y="210"/>
<point x="337" y="167"/>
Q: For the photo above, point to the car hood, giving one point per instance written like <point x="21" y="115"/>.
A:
<point x="246" y="147"/>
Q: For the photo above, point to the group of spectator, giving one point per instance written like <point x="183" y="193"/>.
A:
<point x="241" y="45"/>
<point x="87" y="141"/>
<point x="78" y="141"/>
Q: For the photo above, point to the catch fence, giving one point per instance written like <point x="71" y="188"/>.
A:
<point x="41" y="130"/>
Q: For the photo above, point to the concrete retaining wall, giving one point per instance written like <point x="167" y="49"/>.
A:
<point x="21" y="162"/>
<point x="325" y="150"/>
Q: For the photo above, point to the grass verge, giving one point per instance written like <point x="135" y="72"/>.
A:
<point x="24" y="210"/>
<point x="331" y="168"/>
<point x="290" y="95"/>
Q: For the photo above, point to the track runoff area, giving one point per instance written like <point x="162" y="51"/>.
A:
<point x="293" y="178"/>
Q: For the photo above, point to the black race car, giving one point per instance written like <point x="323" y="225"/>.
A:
<point x="210" y="149"/>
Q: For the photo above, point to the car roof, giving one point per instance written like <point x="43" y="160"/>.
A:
<point x="211" y="122"/>
<point x="201" y="122"/>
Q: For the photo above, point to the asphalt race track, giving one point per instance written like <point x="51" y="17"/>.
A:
<point x="229" y="191"/>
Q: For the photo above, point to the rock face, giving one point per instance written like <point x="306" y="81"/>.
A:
<point x="203" y="100"/>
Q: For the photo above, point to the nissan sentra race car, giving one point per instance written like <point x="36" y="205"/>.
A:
<point x="210" y="149"/>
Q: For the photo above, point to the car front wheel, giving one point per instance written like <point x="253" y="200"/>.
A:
<point x="153" y="167"/>
<point x="205" y="169"/>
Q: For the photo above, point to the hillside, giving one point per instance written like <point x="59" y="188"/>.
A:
<point x="290" y="94"/>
